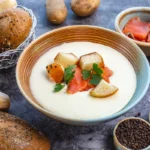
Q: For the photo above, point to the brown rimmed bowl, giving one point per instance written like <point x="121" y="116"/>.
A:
<point x="83" y="33"/>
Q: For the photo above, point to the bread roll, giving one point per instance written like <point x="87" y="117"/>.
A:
<point x="5" y="4"/>
<point x="16" y="134"/>
<point x="15" y="26"/>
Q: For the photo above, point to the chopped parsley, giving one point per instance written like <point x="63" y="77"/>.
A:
<point x="68" y="76"/>
<point x="69" y="73"/>
<point x="86" y="74"/>
<point x="58" y="87"/>
<point x="97" y="70"/>
<point x="95" y="74"/>
<point x="96" y="78"/>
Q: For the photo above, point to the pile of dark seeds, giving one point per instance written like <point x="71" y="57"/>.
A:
<point x="133" y="134"/>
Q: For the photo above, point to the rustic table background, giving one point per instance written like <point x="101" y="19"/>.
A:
<point x="62" y="136"/>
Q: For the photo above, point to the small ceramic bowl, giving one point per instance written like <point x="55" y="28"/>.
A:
<point x="117" y="144"/>
<point x="90" y="34"/>
<point x="123" y="18"/>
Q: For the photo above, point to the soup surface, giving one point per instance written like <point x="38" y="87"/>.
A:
<point x="81" y="106"/>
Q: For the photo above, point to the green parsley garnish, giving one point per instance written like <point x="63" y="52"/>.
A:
<point x="95" y="74"/>
<point x="68" y="76"/>
<point x="86" y="74"/>
<point x="96" y="78"/>
<point x="69" y="73"/>
<point x="96" y="69"/>
<point x="58" y="87"/>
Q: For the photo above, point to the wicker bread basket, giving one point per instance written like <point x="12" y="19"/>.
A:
<point x="10" y="57"/>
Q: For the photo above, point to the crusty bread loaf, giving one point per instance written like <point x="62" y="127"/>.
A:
<point x="15" y="26"/>
<point x="16" y="134"/>
<point x="5" y="4"/>
<point x="86" y="61"/>
<point x="66" y="59"/>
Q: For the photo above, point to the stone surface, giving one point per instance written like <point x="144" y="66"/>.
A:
<point x="62" y="136"/>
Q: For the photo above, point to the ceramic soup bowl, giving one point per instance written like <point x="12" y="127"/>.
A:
<point x="83" y="33"/>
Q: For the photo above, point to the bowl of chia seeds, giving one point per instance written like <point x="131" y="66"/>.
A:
<point x="132" y="134"/>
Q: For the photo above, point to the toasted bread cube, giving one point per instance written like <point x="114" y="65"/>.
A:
<point x="66" y="59"/>
<point x="103" y="89"/>
<point x="86" y="61"/>
<point x="55" y="72"/>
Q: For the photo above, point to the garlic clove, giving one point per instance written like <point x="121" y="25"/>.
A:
<point x="4" y="101"/>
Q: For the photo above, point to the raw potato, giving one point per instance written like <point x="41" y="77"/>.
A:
<point x="5" y="4"/>
<point x="56" y="11"/>
<point x="84" y="8"/>
<point x="4" y="101"/>
<point x="103" y="89"/>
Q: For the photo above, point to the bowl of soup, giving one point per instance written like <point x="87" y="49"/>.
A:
<point x="83" y="75"/>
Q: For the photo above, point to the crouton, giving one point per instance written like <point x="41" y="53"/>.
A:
<point x="66" y="59"/>
<point x="103" y="89"/>
<point x="86" y="61"/>
<point x="55" y="72"/>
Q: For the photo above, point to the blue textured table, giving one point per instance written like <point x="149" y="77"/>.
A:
<point x="66" y="137"/>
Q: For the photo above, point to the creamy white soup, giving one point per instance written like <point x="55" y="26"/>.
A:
<point x="81" y="106"/>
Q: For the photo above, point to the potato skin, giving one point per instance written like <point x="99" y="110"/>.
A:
<point x="84" y="8"/>
<point x="56" y="11"/>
